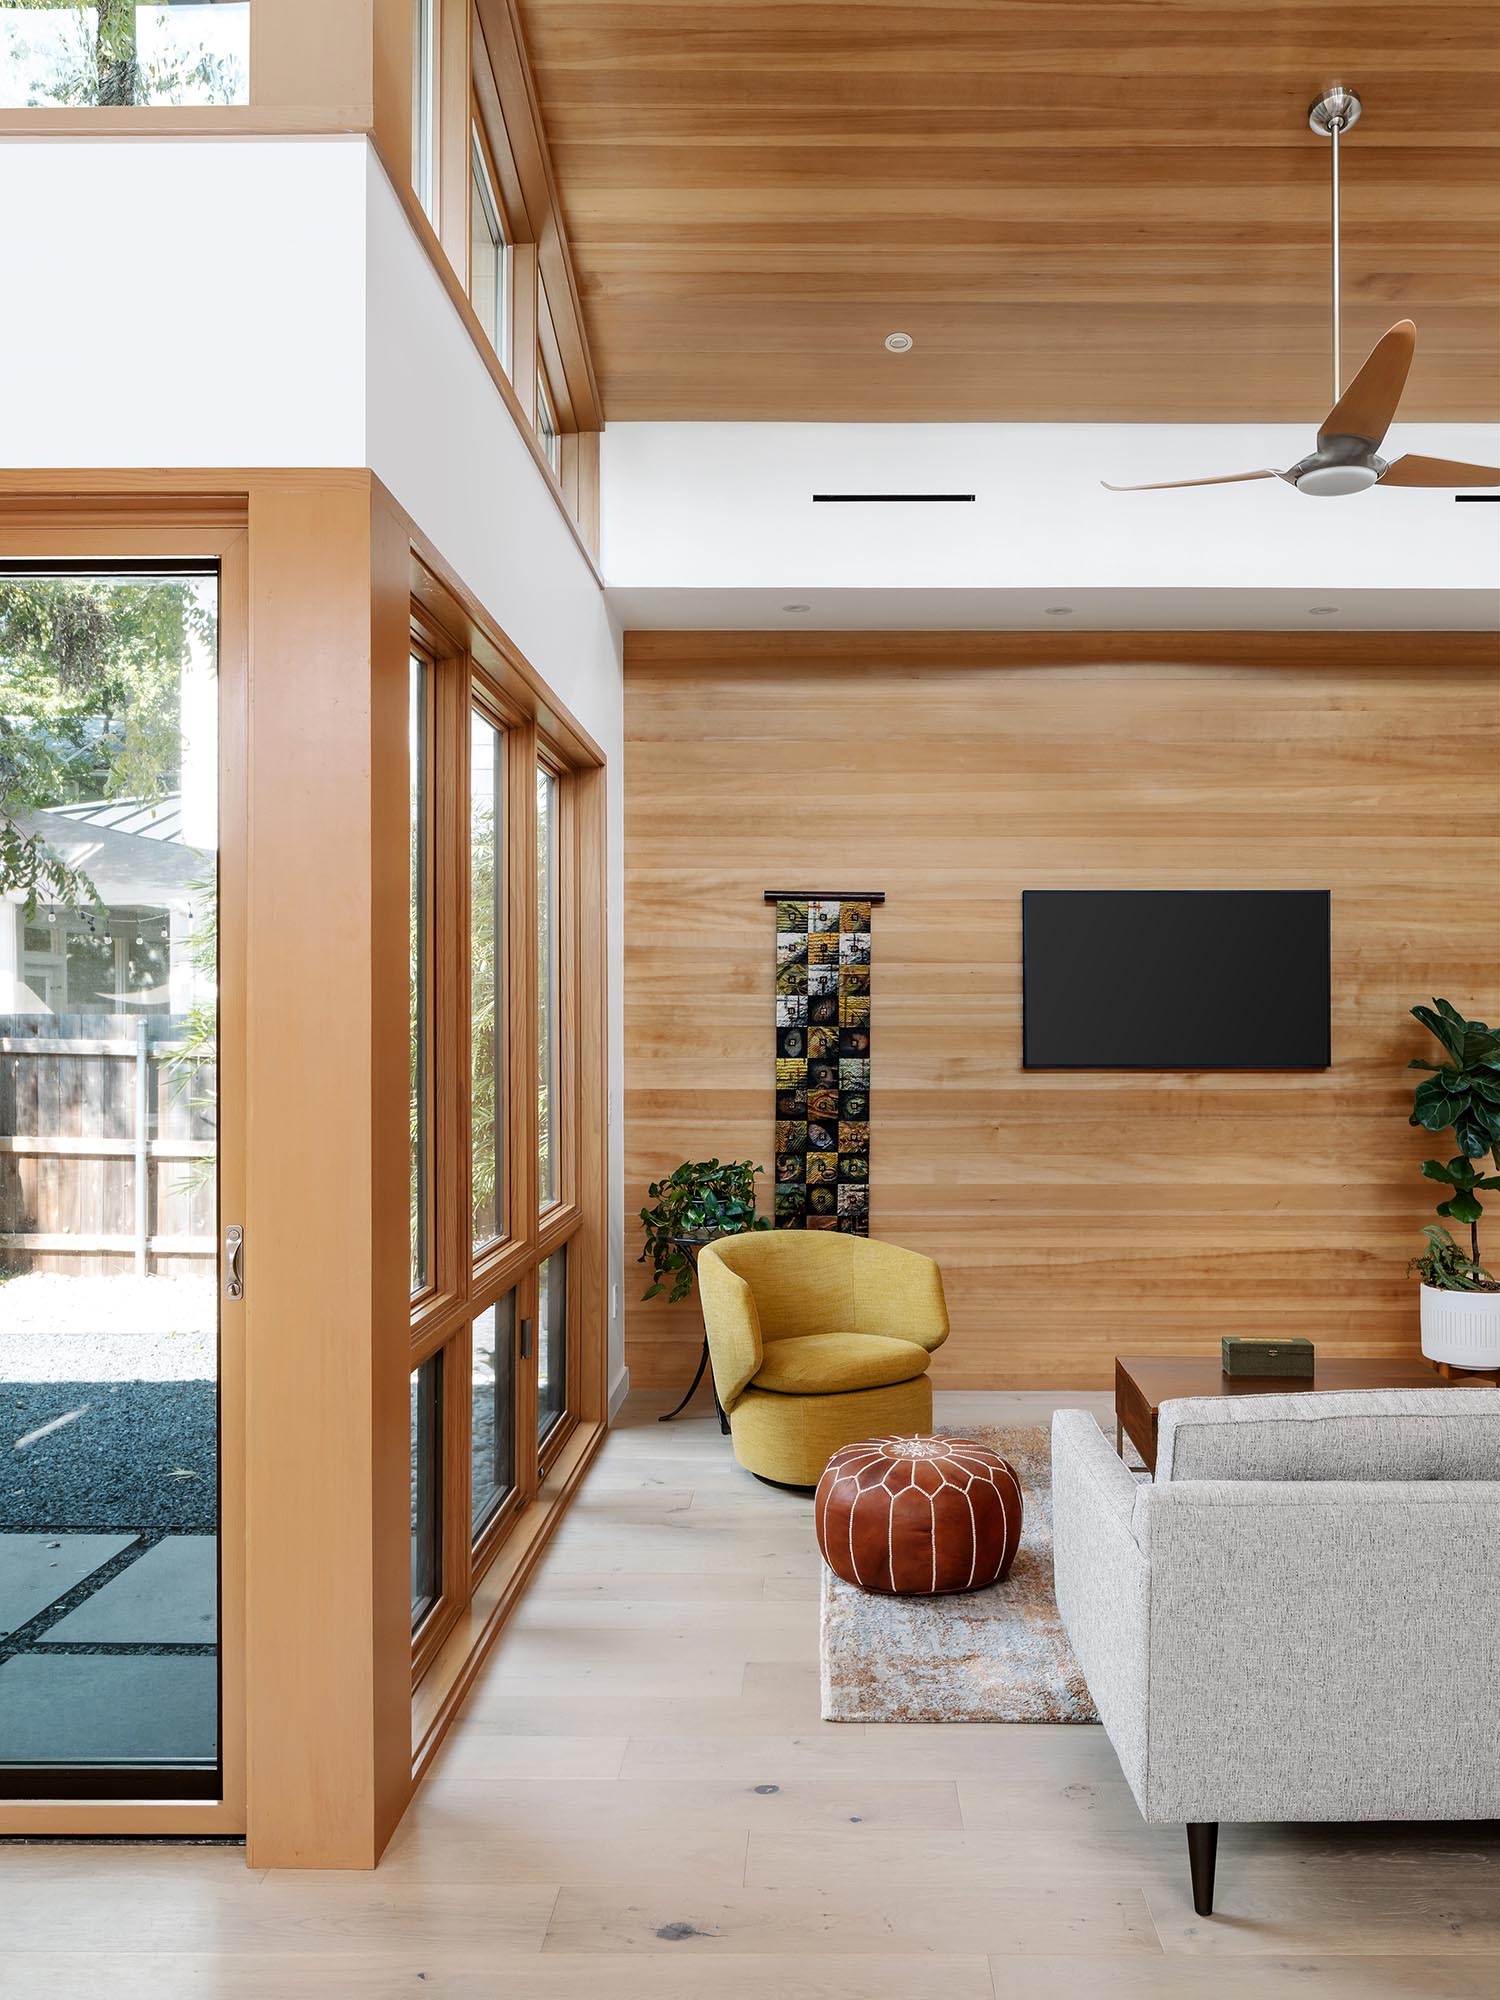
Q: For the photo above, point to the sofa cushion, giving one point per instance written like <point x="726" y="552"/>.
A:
<point x="821" y="1364"/>
<point x="1332" y="1434"/>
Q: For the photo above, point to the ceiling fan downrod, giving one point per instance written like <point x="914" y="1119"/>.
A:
<point x="1332" y="114"/>
<point x="1347" y="458"/>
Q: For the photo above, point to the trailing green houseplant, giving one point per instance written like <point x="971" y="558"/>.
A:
<point x="1460" y="1298"/>
<point x="702" y="1198"/>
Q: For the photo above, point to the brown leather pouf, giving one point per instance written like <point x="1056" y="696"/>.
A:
<point x="918" y="1516"/>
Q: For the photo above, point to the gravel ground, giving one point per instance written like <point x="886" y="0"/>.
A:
<point x="124" y="1368"/>
<point x="126" y="1455"/>
<point x="120" y="1329"/>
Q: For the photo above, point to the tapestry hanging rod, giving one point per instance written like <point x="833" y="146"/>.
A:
<point x="825" y="895"/>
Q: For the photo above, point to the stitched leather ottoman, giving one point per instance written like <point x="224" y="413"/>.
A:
<point x="918" y="1516"/>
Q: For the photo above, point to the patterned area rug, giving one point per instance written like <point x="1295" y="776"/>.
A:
<point x="996" y="1655"/>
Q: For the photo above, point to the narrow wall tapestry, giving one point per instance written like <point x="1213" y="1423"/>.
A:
<point x="823" y="1066"/>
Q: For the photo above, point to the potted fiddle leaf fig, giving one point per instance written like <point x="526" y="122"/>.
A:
<point x="1460" y="1298"/>
<point x="697" y="1202"/>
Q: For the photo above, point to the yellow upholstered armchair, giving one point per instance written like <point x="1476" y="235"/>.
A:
<point x="817" y="1340"/>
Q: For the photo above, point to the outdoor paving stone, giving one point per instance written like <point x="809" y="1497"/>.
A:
<point x="37" y="1569"/>
<point x="168" y="1596"/>
<point x="108" y="1708"/>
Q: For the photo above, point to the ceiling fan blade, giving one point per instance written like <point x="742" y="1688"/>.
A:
<point x="1220" y="479"/>
<point x="1414" y="470"/>
<point x="1366" y="407"/>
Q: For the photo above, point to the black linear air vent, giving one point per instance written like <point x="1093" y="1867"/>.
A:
<point x="890" y="499"/>
<point x="1490" y="497"/>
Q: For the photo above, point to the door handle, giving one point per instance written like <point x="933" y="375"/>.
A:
<point x="234" y="1262"/>
<point x="526" y="1340"/>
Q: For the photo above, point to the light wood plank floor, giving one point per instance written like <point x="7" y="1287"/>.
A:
<point x="640" y="1803"/>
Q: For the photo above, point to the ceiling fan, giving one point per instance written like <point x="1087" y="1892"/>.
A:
<point x="1348" y="459"/>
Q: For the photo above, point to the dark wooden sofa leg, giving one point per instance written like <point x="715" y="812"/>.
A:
<point x="1203" y="1848"/>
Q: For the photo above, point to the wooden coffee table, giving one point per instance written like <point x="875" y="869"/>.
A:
<point x="1143" y="1382"/>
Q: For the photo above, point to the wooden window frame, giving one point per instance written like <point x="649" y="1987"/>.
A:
<point x="428" y="1286"/>
<point x="548" y="420"/>
<point x="434" y="1303"/>
<point x="468" y="1281"/>
<point x="426" y="68"/>
<point x="479" y="143"/>
<point x="547" y="334"/>
<point x="486" y="1258"/>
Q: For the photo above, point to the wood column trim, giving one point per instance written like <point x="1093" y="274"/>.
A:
<point x="327" y="1536"/>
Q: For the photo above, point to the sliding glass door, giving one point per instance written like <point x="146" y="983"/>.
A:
<point x="109" y="1179"/>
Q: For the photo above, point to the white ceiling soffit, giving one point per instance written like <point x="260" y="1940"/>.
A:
<point x="659" y="608"/>
<point x="715" y="526"/>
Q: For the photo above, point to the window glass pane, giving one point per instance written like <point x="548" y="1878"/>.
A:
<point x="493" y="1433"/>
<point x="548" y="1109"/>
<point x="418" y="974"/>
<point x="552" y="1341"/>
<point x="486" y="991"/>
<point x="546" y="419"/>
<point x="108" y="1174"/>
<point x="181" y="52"/>
<point x="424" y="78"/>
<point x="426" y="1505"/>
<point x="488" y="256"/>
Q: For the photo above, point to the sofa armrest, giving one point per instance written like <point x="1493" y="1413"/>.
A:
<point x="1103" y="1582"/>
<point x="1323" y="1650"/>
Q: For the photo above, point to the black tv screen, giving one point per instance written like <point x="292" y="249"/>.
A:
<point x="1175" y="978"/>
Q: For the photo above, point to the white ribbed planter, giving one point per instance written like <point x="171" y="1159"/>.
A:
<point x="1461" y="1328"/>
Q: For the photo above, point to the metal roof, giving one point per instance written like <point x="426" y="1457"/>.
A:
<point x="151" y="819"/>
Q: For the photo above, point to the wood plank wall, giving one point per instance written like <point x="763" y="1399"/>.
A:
<point x="1075" y="1216"/>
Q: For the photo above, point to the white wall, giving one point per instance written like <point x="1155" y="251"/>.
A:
<point x="182" y="302"/>
<point x="443" y="442"/>
<point x="215" y="302"/>
<point x="727" y="508"/>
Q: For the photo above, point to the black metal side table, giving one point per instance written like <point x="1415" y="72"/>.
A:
<point x="691" y="1245"/>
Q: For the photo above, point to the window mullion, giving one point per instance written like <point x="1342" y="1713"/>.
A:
<point x="450" y="946"/>
<point x="521" y="955"/>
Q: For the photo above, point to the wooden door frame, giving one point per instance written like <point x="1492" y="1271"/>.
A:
<point x="41" y="528"/>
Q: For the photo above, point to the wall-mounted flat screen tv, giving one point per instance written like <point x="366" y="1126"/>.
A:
<point x="1175" y="978"/>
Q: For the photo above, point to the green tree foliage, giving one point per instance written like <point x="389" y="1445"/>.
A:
<point x="90" y="680"/>
<point x="194" y="1068"/>
<point x="484" y="1043"/>
<point x="101" y="62"/>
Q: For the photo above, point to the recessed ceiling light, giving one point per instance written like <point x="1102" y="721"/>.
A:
<point x="899" y="343"/>
<point x="796" y="607"/>
<point x="1321" y="610"/>
<point x="1059" y="611"/>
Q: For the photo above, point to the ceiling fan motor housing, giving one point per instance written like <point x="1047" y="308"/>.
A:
<point x="1339" y="465"/>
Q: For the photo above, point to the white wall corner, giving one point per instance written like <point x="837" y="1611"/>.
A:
<point x="619" y="1389"/>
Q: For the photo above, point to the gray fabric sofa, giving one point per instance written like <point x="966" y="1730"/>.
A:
<point x="1300" y="1618"/>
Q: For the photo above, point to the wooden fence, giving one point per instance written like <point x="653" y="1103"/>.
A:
<point x="107" y="1140"/>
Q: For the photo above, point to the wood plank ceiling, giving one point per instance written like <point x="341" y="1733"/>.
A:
<point x="1080" y="212"/>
